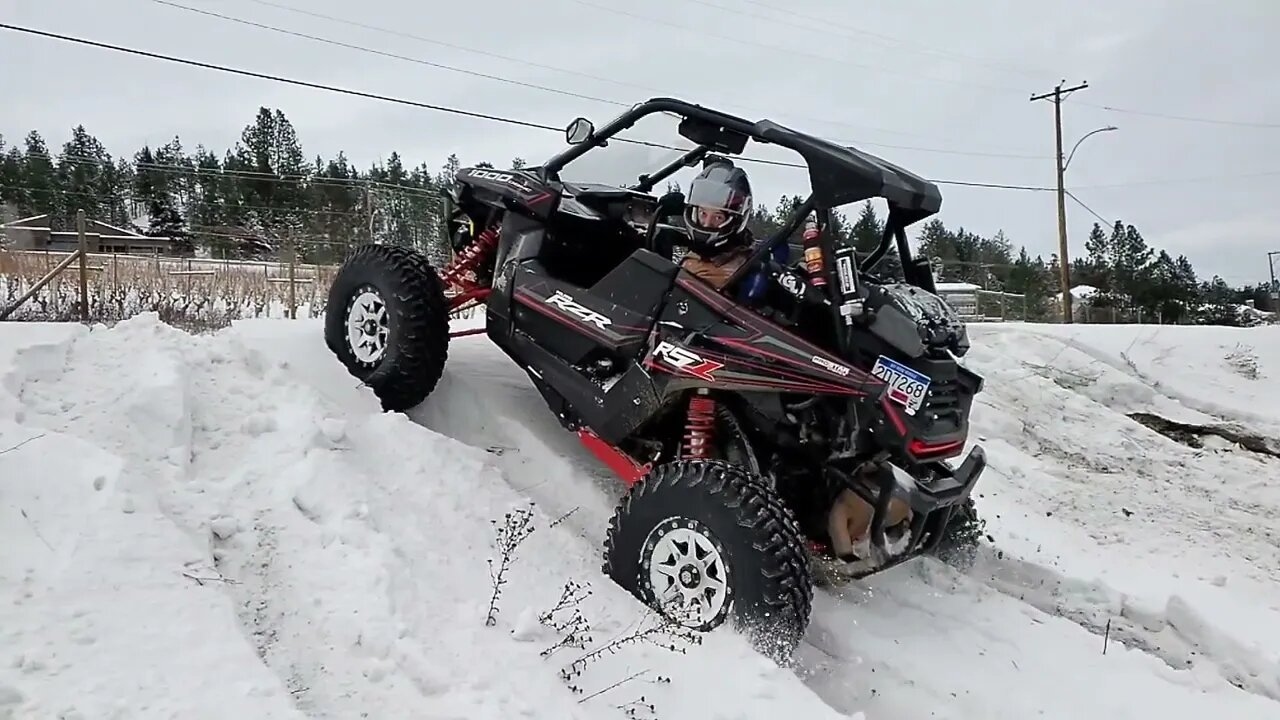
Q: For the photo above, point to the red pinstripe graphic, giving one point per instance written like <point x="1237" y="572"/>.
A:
<point x="762" y="327"/>
<point x="795" y="377"/>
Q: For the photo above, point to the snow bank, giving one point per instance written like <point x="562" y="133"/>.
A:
<point x="1222" y="371"/>
<point x="226" y="525"/>
<point x="199" y="532"/>
<point x="1097" y="518"/>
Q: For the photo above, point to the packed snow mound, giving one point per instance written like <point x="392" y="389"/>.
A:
<point x="226" y="524"/>
<point x="190" y="528"/>
<point x="1224" y="372"/>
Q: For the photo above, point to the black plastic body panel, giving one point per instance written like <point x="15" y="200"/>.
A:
<point x="707" y="340"/>
<point x="610" y="332"/>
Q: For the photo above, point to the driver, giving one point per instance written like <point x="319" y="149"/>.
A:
<point x="716" y="212"/>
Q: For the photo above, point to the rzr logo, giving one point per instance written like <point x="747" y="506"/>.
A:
<point x="685" y="360"/>
<point x="583" y="313"/>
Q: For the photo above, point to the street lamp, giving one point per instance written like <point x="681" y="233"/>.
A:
<point x="1082" y="138"/>
<point x="1064" y="261"/>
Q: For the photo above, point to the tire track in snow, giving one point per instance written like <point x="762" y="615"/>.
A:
<point x="128" y="391"/>
<point x="1176" y="633"/>
<point x="1070" y="446"/>
<point x="218" y="439"/>
<point x="1073" y="450"/>
<point x="1126" y="365"/>
<point x="293" y="541"/>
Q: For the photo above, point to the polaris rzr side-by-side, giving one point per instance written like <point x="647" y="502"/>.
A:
<point x="807" y="435"/>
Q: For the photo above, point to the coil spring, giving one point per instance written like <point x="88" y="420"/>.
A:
<point x="470" y="259"/>
<point x="699" y="432"/>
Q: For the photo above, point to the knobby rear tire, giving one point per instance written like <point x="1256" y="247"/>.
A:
<point x="770" y="584"/>
<point x="417" y="314"/>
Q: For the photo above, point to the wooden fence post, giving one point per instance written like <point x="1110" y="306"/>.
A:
<point x="84" y="271"/>
<point x="293" y="286"/>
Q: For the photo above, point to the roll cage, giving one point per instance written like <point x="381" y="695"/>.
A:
<point x="838" y="175"/>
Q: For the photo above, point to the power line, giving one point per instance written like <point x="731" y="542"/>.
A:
<point x="232" y="172"/>
<point x="1086" y="207"/>
<point x="1184" y="118"/>
<point x="890" y="40"/>
<point x="1111" y="224"/>
<point x="831" y="23"/>
<point x="430" y="106"/>
<point x="528" y="63"/>
<point x="420" y="61"/>
<point x="776" y="48"/>
<point x="1176" y="181"/>
<point x="828" y="23"/>
<point x="360" y="48"/>
<point x="134" y="199"/>
<point x="452" y="46"/>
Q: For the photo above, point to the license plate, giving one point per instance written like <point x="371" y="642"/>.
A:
<point x="906" y="386"/>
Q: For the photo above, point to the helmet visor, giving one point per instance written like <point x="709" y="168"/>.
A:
<point x="715" y="191"/>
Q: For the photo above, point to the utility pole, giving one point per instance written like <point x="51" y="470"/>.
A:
<point x="368" y="202"/>
<point x="1064" y="262"/>
<point x="1273" y="294"/>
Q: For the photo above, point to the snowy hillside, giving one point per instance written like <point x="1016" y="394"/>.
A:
<point x="225" y="526"/>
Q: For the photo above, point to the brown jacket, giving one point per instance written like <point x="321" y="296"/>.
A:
<point x="718" y="270"/>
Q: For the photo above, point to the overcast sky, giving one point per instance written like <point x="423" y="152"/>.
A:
<point x="948" y="83"/>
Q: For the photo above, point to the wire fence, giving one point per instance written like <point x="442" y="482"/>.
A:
<point x="193" y="293"/>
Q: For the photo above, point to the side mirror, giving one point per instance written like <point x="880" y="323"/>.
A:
<point x="579" y="131"/>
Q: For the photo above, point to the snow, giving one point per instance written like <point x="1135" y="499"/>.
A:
<point x="202" y="530"/>
<point x="1221" y="371"/>
<point x="225" y="525"/>
<point x="956" y="287"/>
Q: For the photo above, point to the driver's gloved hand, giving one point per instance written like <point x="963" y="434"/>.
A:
<point x="670" y="204"/>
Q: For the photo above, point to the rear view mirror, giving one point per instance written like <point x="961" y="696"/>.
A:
<point x="578" y="131"/>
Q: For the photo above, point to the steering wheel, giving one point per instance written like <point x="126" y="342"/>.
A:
<point x="670" y="204"/>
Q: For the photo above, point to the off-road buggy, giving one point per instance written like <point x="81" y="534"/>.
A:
<point x="736" y="429"/>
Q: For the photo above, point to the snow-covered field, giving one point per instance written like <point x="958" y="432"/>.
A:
<point x="225" y="526"/>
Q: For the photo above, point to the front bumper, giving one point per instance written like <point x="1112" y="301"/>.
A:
<point x="932" y="502"/>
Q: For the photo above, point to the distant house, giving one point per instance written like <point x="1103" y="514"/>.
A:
<point x="961" y="296"/>
<point x="36" y="233"/>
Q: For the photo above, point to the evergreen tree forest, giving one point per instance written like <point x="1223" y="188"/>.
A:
<point x="264" y="194"/>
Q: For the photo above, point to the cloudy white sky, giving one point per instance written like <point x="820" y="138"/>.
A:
<point x="940" y="87"/>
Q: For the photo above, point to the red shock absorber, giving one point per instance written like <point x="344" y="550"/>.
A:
<point x="470" y="259"/>
<point x="699" y="428"/>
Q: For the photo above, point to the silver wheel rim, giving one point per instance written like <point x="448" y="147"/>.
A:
<point x="688" y="575"/>
<point x="367" y="329"/>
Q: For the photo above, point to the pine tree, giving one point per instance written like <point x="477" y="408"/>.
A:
<point x="1132" y="258"/>
<point x="865" y="235"/>
<point x="84" y="172"/>
<point x="206" y="211"/>
<point x="42" y="191"/>
<point x="1095" y="268"/>
<point x="271" y="154"/>
<point x="867" y="230"/>
<point x="11" y="192"/>
<point x="1032" y="279"/>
